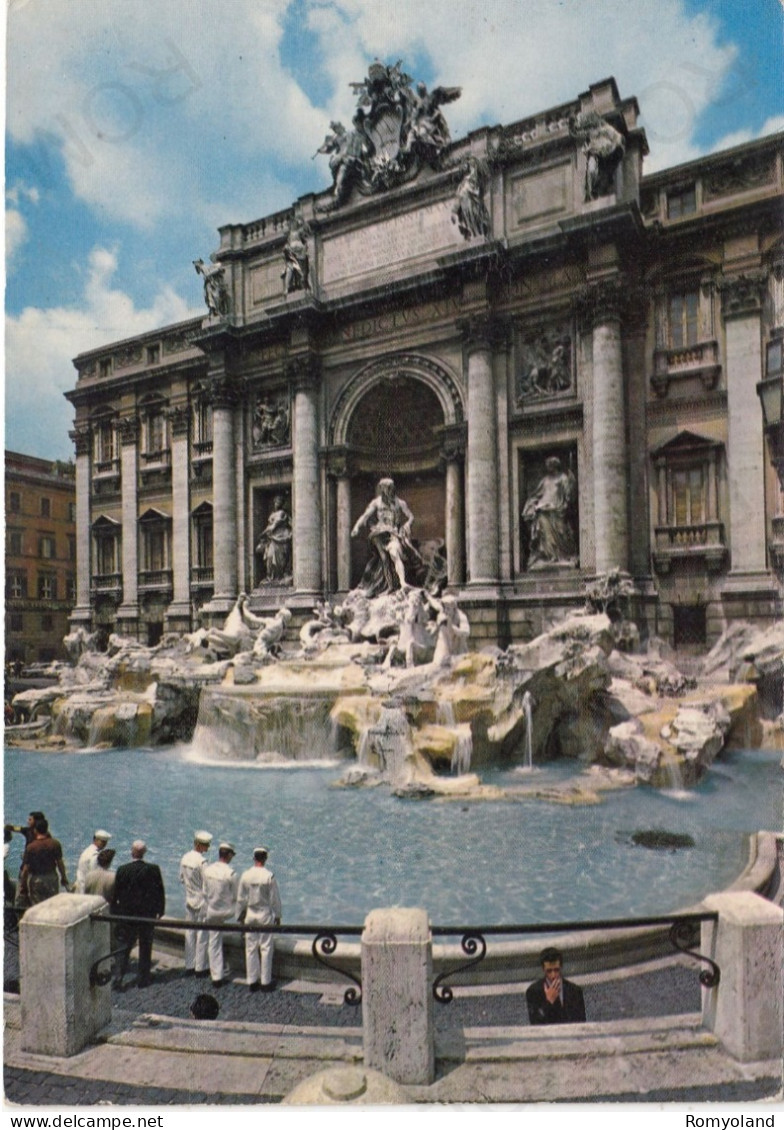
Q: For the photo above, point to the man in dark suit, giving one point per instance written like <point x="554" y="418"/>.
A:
<point x="138" y="891"/>
<point x="553" y="1000"/>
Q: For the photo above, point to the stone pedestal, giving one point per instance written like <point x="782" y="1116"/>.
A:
<point x="397" y="1001"/>
<point x="58" y="943"/>
<point x="745" y="1009"/>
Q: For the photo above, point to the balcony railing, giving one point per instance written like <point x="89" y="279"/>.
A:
<point x="106" y="468"/>
<point x="202" y="575"/>
<point x="107" y="582"/>
<point x="699" y="360"/>
<point x="777" y="543"/>
<point x="155" y="458"/>
<point x="703" y="539"/>
<point x="155" y="579"/>
<point x="202" y="449"/>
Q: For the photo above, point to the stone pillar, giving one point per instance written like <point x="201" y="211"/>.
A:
<point x="178" y="614"/>
<point x="339" y="468"/>
<point x="609" y="431"/>
<point x="128" y="612"/>
<point x="306" y="492"/>
<point x="741" y="307"/>
<point x="482" y="458"/>
<point x="452" y="458"/>
<point x="712" y="507"/>
<point x="745" y="1009"/>
<point x="661" y="471"/>
<point x="58" y="943"/>
<point x="397" y="1000"/>
<point x="224" y="494"/>
<point x="81" y="613"/>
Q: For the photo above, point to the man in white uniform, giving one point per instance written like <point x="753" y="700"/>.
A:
<point x="192" y="866"/>
<point x="220" y="894"/>
<point x="88" y="858"/>
<point x="258" y="901"/>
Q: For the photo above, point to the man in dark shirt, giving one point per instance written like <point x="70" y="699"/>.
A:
<point x="42" y="860"/>
<point x="138" y="891"/>
<point x="553" y="1000"/>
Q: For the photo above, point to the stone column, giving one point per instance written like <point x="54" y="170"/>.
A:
<point x="661" y="474"/>
<point x="128" y="612"/>
<point x="178" y="614"/>
<point x="81" y="616"/>
<point x="482" y="458"/>
<point x="609" y="431"/>
<point x="224" y="494"/>
<point x="741" y="307"/>
<point x="58" y="943"/>
<point x="397" y="1001"/>
<point x="306" y="493"/>
<point x="745" y="1009"/>
<point x="339" y="468"/>
<point x="452" y="457"/>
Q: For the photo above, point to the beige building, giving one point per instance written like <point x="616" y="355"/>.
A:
<point x="40" y="557"/>
<point x="555" y="357"/>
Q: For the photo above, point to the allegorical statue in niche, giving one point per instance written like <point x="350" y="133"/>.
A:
<point x="275" y="543"/>
<point x="393" y="557"/>
<point x="469" y="211"/>
<point x="549" y="513"/>
<point x="216" y="293"/>
<point x="296" y="267"/>
<point x="603" y="147"/>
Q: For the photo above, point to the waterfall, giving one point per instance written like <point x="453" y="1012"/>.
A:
<point x="445" y="712"/>
<point x="388" y="744"/>
<point x="529" y="718"/>
<point x="268" y="728"/>
<point x="464" y="747"/>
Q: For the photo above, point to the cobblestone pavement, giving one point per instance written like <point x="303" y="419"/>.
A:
<point x="41" y="1088"/>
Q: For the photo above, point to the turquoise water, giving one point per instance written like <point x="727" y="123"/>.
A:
<point x="338" y="853"/>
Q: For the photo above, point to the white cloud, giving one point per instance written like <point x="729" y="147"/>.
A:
<point x="40" y="344"/>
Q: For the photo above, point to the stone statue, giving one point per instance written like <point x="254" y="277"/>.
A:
<point x="275" y="543"/>
<point x="389" y="520"/>
<point x="603" y="146"/>
<point x="415" y="640"/>
<point x="216" y="293"/>
<point x="452" y="628"/>
<point x="351" y="153"/>
<point x="548" y="510"/>
<point x="469" y="211"/>
<point x="426" y="128"/>
<point x="267" y="645"/>
<point x="271" y="423"/>
<point x="295" y="257"/>
<point x="236" y="635"/>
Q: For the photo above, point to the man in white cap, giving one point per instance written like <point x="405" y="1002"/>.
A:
<point x="88" y="858"/>
<point x="192" y="866"/>
<point x="258" y="901"/>
<point x="220" y="894"/>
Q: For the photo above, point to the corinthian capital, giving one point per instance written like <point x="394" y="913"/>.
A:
<point x="303" y="371"/>
<point x="483" y="331"/>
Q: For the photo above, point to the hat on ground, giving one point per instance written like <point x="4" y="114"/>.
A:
<point x="226" y="846"/>
<point x="99" y="834"/>
<point x="202" y="837"/>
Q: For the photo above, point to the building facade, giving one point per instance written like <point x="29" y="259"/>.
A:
<point x="40" y="556"/>
<point x="555" y="358"/>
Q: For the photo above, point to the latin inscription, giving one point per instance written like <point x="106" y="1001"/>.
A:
<point x="400" y="319"/>
<point x="396" y="240"/>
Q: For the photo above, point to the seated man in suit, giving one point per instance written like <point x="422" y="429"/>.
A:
<point x="553" y="1000"/>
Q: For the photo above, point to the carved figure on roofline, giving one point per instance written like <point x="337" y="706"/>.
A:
<point x="549" y="513"/>
<point x="296" y="269"/>
<point x="396" y="129"/>
<point x="603" y="147"/>
<point x="469" y="211"/>
<point x="275" y="544"/>
<point x="216" y="292"/>
<point x="394" y="559"/>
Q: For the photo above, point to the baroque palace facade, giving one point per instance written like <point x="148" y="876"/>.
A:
<point x="555" y="358"/>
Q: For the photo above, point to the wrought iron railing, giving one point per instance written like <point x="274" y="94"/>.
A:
<point x="683" y="934"/>
<point x="324" y="944"/>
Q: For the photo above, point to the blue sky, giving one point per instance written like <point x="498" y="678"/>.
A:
<point x="136" y="127"/>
